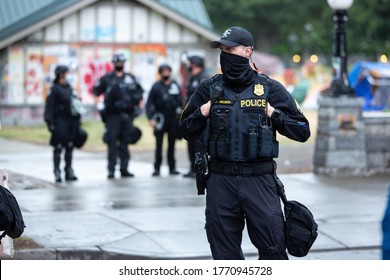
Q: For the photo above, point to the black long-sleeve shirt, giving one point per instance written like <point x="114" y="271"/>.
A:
<point x="291" y="122"/>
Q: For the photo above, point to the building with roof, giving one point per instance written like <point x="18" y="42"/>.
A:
<point x="37" y="35"/>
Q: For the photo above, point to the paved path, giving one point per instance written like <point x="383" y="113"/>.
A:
<point x="163" y="218"/>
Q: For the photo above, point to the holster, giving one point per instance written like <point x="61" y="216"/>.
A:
<point x="202" y="172"/>
<point x="201" y="183"/>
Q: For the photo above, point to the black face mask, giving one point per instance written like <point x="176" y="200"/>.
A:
<point x="165" y="78"/>
<point x="236" y="70"/>
<point x="118" y="68"/>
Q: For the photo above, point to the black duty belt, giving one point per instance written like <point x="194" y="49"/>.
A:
<point x="242" y="168"/>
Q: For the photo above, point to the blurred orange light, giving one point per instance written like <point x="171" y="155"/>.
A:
<point x="296" y="58"/>
<point x="314" y="58"/>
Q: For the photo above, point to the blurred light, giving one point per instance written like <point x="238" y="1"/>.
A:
<point x="314" y="58"/>
<point x="296" y="58"/>
<point x="340" y="4"/>
<point x="383" y="58"/>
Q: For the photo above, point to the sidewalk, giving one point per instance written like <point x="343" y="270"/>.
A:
<point x="163" y="218"/>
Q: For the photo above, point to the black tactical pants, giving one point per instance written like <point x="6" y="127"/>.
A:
<point x="171" y="128"/>
<point x="62" y="139"/>
<point x="118" y="126"/>
<point x="232" y="201"/>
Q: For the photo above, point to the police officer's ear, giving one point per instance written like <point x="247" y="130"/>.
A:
<point x="248" y="52"/>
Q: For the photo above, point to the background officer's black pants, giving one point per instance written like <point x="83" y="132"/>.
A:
<point x="170" y="127"/>
<point x="233" y="200"/>
<point x="117" y="126"/>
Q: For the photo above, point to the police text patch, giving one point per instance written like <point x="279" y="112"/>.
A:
<point x="252" y="103"/>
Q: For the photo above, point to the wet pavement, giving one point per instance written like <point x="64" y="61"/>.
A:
<point x="163" y="218"/>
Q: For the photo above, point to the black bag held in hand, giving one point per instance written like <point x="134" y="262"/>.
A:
<point x="80" y="138"/>
<point x="11" y="219"/>
<point x="300" y="226"/>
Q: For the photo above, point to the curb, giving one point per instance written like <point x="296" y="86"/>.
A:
<point x="95" y="253"/>
<point x="89" y="253"/>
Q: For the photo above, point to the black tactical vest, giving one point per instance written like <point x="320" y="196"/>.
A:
<point x="239" y="129"/>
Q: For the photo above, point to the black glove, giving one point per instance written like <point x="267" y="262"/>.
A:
<point x="51" y="127"/>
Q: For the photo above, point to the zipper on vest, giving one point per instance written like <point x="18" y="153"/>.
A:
<point x="238" y="125"/>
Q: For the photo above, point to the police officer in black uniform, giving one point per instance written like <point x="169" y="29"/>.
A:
<point x="122" y="101"/>
<point x="62" y="122"/>
<point x="242" y="110"/>
<point x="163" y="107"/>
<point x="197" y="74"/>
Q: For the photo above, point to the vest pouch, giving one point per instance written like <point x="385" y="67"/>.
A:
<point x="252" y="148"/>
<point x="218" y="149"/>
<point x="265" y="142"/>
<point x="221" y="149"/>
<point x="213" y="149"/>
<point x="275" y="149"/>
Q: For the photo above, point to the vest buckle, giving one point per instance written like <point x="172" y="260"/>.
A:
<point x="236" y="170"/>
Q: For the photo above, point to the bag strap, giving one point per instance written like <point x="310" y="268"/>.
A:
<point x="280" y="187"/>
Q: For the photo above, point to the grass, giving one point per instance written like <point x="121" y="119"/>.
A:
<point x="23" y="243"/>
<point x="95" y="129"/>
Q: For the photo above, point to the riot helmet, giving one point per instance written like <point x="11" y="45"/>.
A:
<point x="163" y="67"/>
<point x="196" y="60"/>
<point x="60" y="69"/>
<point x="118" y="57"/>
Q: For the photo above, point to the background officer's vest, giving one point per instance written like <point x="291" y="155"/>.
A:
<point x="121" y="94"/>
<point x="239" y="128"/>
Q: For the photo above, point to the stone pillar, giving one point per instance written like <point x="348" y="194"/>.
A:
<point x="377" y="142"/>
<point x="340" y="148"/>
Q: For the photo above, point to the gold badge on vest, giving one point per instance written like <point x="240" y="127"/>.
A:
<point x="258" y="90"/>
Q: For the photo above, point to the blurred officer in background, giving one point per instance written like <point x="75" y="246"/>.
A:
<point x="122" y="103"/>
<point x="63" y="121"/>
<point x="163" y="108"/>
<point x="197" y="74"/>
<point x="242" y="110"/>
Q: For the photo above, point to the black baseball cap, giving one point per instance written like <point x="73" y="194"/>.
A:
<point x="234" y="36"/>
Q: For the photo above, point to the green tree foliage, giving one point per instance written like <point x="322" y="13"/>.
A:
<point x="290" y="26"/>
